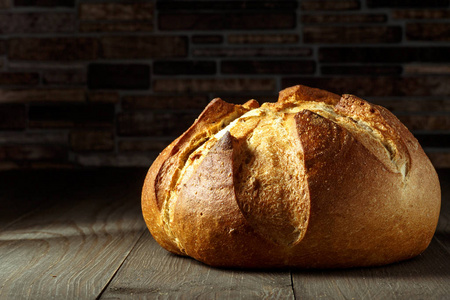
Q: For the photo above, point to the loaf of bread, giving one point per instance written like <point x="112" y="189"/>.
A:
<point x="315" y="180"/>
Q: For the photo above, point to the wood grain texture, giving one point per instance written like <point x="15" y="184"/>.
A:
<point x="72" y="249"/>
<point x="152" y="272"/>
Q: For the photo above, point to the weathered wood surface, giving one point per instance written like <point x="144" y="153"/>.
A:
<point x="151" y="272"/>
<point x="72" y="249"/>
<point x="80" y="235"/>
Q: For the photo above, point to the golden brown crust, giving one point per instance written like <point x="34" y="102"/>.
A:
<point x="315" y="180"/>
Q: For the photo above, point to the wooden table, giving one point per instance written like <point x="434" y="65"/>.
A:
<point x="80" y="235"/>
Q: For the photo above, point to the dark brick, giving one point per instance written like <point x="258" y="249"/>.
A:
<point x="137" y="102"/>
<point x="330" y="4"/>
<point x="268" y="67"/>
<point x="384" y="54"/>
<point x="18" y="78"/>
<point x="427" y="122"/>
<point x="361" y="70"/>
<point x="27" y="137"/>
<point x="143" y="46"/>
<point x="5" y="4"/>
<point x="252" y="52"/>
<point x="184" y="67"/>
<point x="45" y="3"/>
<point x="222" y="21"/>
<point x="118" y="76"/>
<point x="144" y="146"/>
<point x="65" y="77"/>
<point x="116" y="11"/>
<point x="151" y="124"/>
<point x="426" y="69"/>
<point x="13" y="116"/>
<point x="428" y="31"/>
<point x="413" y="105"/>
<point x="354" y="18"/>
<point x="53" y="49"/>
<point x="175" y="85"/>
<point x="352" y="35"/>
<point x="22" y="153"/>
<point x="103" y="97"/>
<point x="439" y="159"/>
<point x="421" y="14"/>
<point x="71" y="115"/>
<point x="91" y="140"/>
<point x="226" y="5"/>
<point x="116" y="27"/>
<point x="207" y="39"/>
<point x="263" y="38"/>
<point x="407" y="3"/>
<point x="37" y="22"/>
<point x="433" y="140"/>
<point x="42" y="95"/>
<point x="2" y="47"/>
<point x="378" y="86"/>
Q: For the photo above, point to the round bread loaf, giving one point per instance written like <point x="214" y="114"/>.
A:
<point x="315" y="180"/>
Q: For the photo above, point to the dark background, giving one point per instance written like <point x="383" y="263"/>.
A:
<point x="111" y="83"/>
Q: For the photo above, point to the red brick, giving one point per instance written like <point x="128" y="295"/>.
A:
<point x="354" y="18"/>
<point x="268" y="67"/>
<point x="116" y="11"/>
<point x="138" y="102"/>
<point x="330" y="5"/>
<point x="44" y="95"/>
<point x="64" y="77"/>
<point x="263" y="38"/>
<point x="421" y="14"/>
<point x="103" y="97"/>
<point x="378" y="86"/>
<point x="116" y="27"/>
<point x="153" y="124"/>
<point x="428" y="31"/>
<point x="222" y="21"/>
<point x="18" y="78"/>
<point x="53" y="49"/>
<point x="352" y="35"/>
<point x="91" y="140"/>
<point x="143" y="46"/>
<point x="252" y="52"/>
<point x="214" y="85"/>
<point x="143" y="145"/>
<point x="37" y="22"/>
<point x="426" y="69"/>
<point x="13" y="116"/>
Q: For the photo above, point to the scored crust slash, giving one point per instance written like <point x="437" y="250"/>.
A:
<point x="315" y="180"/>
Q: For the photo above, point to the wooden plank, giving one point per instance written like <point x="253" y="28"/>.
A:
<point x="72" y="249"/>
<point x="424" y="277"/>
<point x="152" y="272"/>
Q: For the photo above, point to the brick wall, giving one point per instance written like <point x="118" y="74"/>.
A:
<point x="111" y="83"/>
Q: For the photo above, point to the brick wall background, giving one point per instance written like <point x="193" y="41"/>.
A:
<point x="111" y="83"/>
